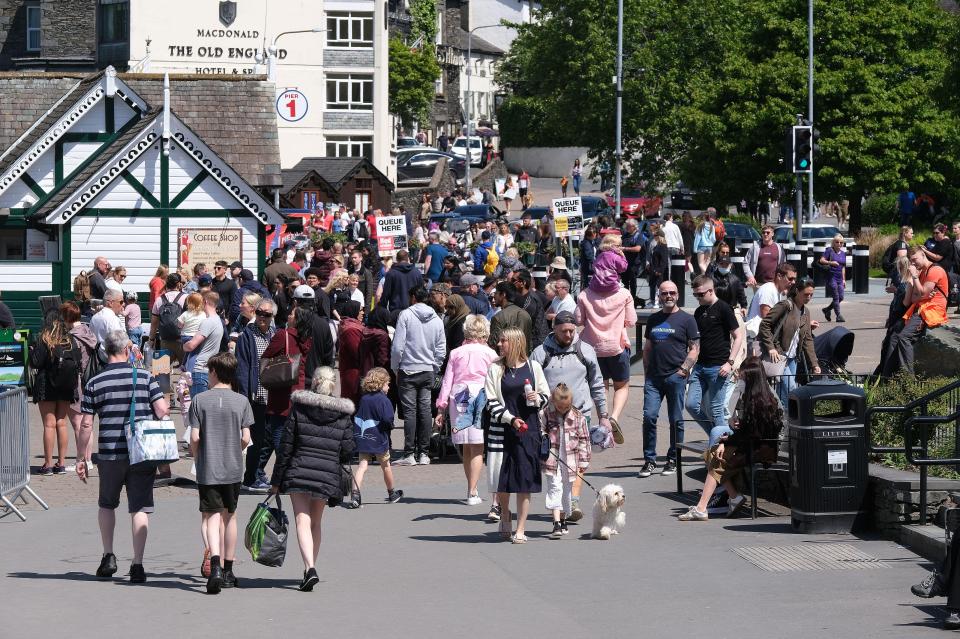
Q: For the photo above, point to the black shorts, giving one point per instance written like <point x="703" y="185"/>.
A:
<point x="217" y="497"/>
<point x="115" y="475"/>
<point x="616" y="367"/>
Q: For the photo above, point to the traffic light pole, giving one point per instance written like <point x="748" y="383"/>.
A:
<point x="811" y="202"/>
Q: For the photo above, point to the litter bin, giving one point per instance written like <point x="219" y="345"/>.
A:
<point x="828" y="457"/>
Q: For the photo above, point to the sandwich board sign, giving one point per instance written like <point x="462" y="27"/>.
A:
<point x="568" y="217"/>
<point x="391" y="234"/>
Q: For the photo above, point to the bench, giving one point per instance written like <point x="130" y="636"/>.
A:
<point x="700" y="447"/>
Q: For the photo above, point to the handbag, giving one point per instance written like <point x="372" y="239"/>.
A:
<point x="150" y="441"/>
<point x="266" y="533"/>
<point x="346" y="489"/>
<point x="280" y="371"/>
<point x="770" y="367"/>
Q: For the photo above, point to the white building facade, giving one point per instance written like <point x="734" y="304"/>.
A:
<point x="331" y="64"/>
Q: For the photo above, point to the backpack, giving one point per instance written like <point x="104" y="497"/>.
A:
<point x="719" y="230"/>
<point x="362" y="231"/>
<point x="493" y="260"/>
<point x="549" y="354"/>
<point x="889" y="259"/>
<point x="169" y="312"/>
<point x="64" y="371"/>
<point x="81" y="287"/>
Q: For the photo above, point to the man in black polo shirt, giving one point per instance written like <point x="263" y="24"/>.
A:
<point x="711" y="380"/>
<point x="108" y="395"/>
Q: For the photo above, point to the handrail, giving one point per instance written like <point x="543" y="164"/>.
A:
<point x="920" y="402"/>
<point x="923" y="421"/>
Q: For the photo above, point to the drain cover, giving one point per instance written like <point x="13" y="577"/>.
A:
<point x="808" y="557"/>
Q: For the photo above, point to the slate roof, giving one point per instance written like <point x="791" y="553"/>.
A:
<point x="69" y="188"/>
<point x="234" y="116"/>
<point x="478" y="44"/>
<point x="25" y="98"/>
<point x="335" y="171"/>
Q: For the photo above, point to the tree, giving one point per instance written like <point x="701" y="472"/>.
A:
<point x="412" y="76"/>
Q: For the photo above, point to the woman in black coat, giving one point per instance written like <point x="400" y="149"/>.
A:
<point x="317" y="439"/>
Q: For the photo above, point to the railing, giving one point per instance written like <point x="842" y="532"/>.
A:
<point x="916" y="413"/>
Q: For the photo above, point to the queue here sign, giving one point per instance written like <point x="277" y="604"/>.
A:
<point x="568" y="217"/>
<point x="391" y="234"/>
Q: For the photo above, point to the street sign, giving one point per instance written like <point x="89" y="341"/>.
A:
<point x="292" y="105"/>
<point x="391" y="234"/>
<point x="568" y="217"/>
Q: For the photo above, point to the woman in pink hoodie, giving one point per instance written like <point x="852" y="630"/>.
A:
<point x="460" y="392"/>
<point x="605" y="310"/>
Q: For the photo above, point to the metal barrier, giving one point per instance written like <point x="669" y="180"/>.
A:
<point x="15" y="452"/>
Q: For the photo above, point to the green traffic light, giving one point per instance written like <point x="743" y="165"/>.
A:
<point x="803" y="164"/>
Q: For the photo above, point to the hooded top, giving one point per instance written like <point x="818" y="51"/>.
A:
<point x="397" y="284"/>
<point x="419" y="343"/>
<point x="606" y="272"/>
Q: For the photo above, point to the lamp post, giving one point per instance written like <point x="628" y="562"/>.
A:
<point x="272" y="51"/>
<point x="468" y="96"/>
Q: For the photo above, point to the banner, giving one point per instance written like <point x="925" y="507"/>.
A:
<point x="391" y="234"/>
<point x="206" y="246"/>
<point x="568" y="217"/>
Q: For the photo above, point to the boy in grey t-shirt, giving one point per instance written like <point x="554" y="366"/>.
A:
<point x="220" y="421"/>
<point x="205" y="344"/>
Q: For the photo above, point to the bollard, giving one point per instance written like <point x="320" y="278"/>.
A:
<point x="820" y="274"/>
<point x="737" y="260"/>
<point x="797" y="256"/>
<point x="678" y="275"/>
<point x="861" y="269"/>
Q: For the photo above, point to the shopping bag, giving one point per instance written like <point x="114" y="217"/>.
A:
<point x="150" y="441"/>
<point x="266" y="533"/>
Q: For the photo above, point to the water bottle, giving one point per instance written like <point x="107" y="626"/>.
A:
<point x="527" y="388"/>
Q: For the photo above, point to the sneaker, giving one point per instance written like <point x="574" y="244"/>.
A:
<point x="647" y="469"/>
<point x="669" y="468"/>
<point x="575" y="513"/>
<point x="108" y="566"/>
<point x="310" y="579"/>
<point x="58" y="469"/>
<point x="215" y="580"/>
<point x="617" y="432"/>
<point x="393" y="496"/>
<point x="563" y="527"/>
<point x="930" y="587"/>
<point x="45" y="470"/>
<point x="229" y="579"/>
<point x="826" y="312"/>
<point x="409" y="460"/>
<point x="718" y="504"/>
<point x="952" y="622"/>
<point x="494" y="514"/>
<point x="423" y="459"/>
<point x="693" y="514"/>
<point x="137" y="574"/>
<point x="474" y="500"/>
<point x="557" y="531"/>
<point x="734" y="504"/>
<point x="258" y="486"/>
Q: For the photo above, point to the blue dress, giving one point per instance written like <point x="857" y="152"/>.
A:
<point x="520" y="471"/>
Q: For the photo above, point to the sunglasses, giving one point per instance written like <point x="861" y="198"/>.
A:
<point x="668" y="293"/>
<point x="264" y="314"/>
<point x="702" y="293"/>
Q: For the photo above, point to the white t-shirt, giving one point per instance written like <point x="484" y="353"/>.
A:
<point x="566" y="304"/>
<point x="191" y="322"/>
<point x="766" y="295"/>
<point x="104" y="322"/>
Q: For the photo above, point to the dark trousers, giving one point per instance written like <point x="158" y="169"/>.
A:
<point x="948" y="573"/>
<point x="629" y="279"/>
<point x="274" y="431"/>
<point x="258" y="437"/>
<point x="899" y="355"/>
<point x="414" y="391"/>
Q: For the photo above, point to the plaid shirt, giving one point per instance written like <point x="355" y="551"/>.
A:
<point x="262" y="341"/>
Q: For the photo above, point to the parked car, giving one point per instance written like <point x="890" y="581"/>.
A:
<point x="406" y="142"/>
<point x="635" y="202"/>
<point x="472" y="212"/>
<point x="418" y="166"/>
<point x="476" y="149"/>
<point x="737" y="233"/>
<point x="815" y="232"/>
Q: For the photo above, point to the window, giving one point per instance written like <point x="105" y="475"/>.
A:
<point x="350" y="146"/>
<point x="350" y="92"/>
<point x="33" y="27"/>
<point x="12" y="243"/>
<point x="350" y="30"/>
<point x="114" y="21"/>
<point x="311" y="199"/>
<point x="363" y="193"/>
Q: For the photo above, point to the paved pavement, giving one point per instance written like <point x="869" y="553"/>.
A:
<point x="430" y="566"/>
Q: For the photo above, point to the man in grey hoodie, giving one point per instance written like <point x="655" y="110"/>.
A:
<point x="567" y="359"/>
<point x="419" y="347"/>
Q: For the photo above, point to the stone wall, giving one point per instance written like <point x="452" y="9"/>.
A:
<point x="552" y="162"/>
<point x="347" y="120"/>
<point x="69" y="29"/>
<point x="13" y="32"/>
<point x="348" y="57"/>
<point x="894" y="498"/>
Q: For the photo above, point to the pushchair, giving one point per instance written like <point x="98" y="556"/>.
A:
<point x="833" y="349"/>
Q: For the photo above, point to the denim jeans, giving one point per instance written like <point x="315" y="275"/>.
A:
<point x="199" y="383"/>
<point x="414" y="391"/>
<point x="576" y="184"/>
<point x="258" y="441"/>
<point x="706" y="398"/>
<point x="788" y="381"/>
<point x="655" y="388"/>
<point x="272" y="436"/>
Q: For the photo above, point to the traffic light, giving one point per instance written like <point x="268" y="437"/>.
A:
<point x="802" y="148"/>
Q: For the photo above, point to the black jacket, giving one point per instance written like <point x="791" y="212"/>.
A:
<point x="318" y="437"/>
<point x="397" y="284"/>
<point x="536" y="309"/>
<point x="322" y="351"/>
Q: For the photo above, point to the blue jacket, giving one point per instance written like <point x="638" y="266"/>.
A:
<point x="372" y="423"/>
<point x="248" y="362"/>
<point x="248" y="287"/>
<point x="478" y="305"/>
<point x="480" y="256"/>
<point x="397" y="284"/>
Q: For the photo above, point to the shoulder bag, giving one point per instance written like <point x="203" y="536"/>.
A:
<point x="280" y="371"/>
<point x="150" y="441"/>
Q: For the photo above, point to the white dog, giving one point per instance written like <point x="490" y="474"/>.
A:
<point x="608" y="516"/>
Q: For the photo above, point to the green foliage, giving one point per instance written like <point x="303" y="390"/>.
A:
<point x="888" y="429"/>
<point x="879" y="210"/>
<point x="423" y="14"/>
<point x="336" y="237"/>
<point x="412" y="76"/>
<point x="742" y="219"/>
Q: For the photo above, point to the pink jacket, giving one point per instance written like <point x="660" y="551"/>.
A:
<point x="576" y="438"/>
<point x="468" y="364"/>
<point x="605" y="319"/>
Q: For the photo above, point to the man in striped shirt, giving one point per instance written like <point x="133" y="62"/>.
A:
<point x="109" y="395"/>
